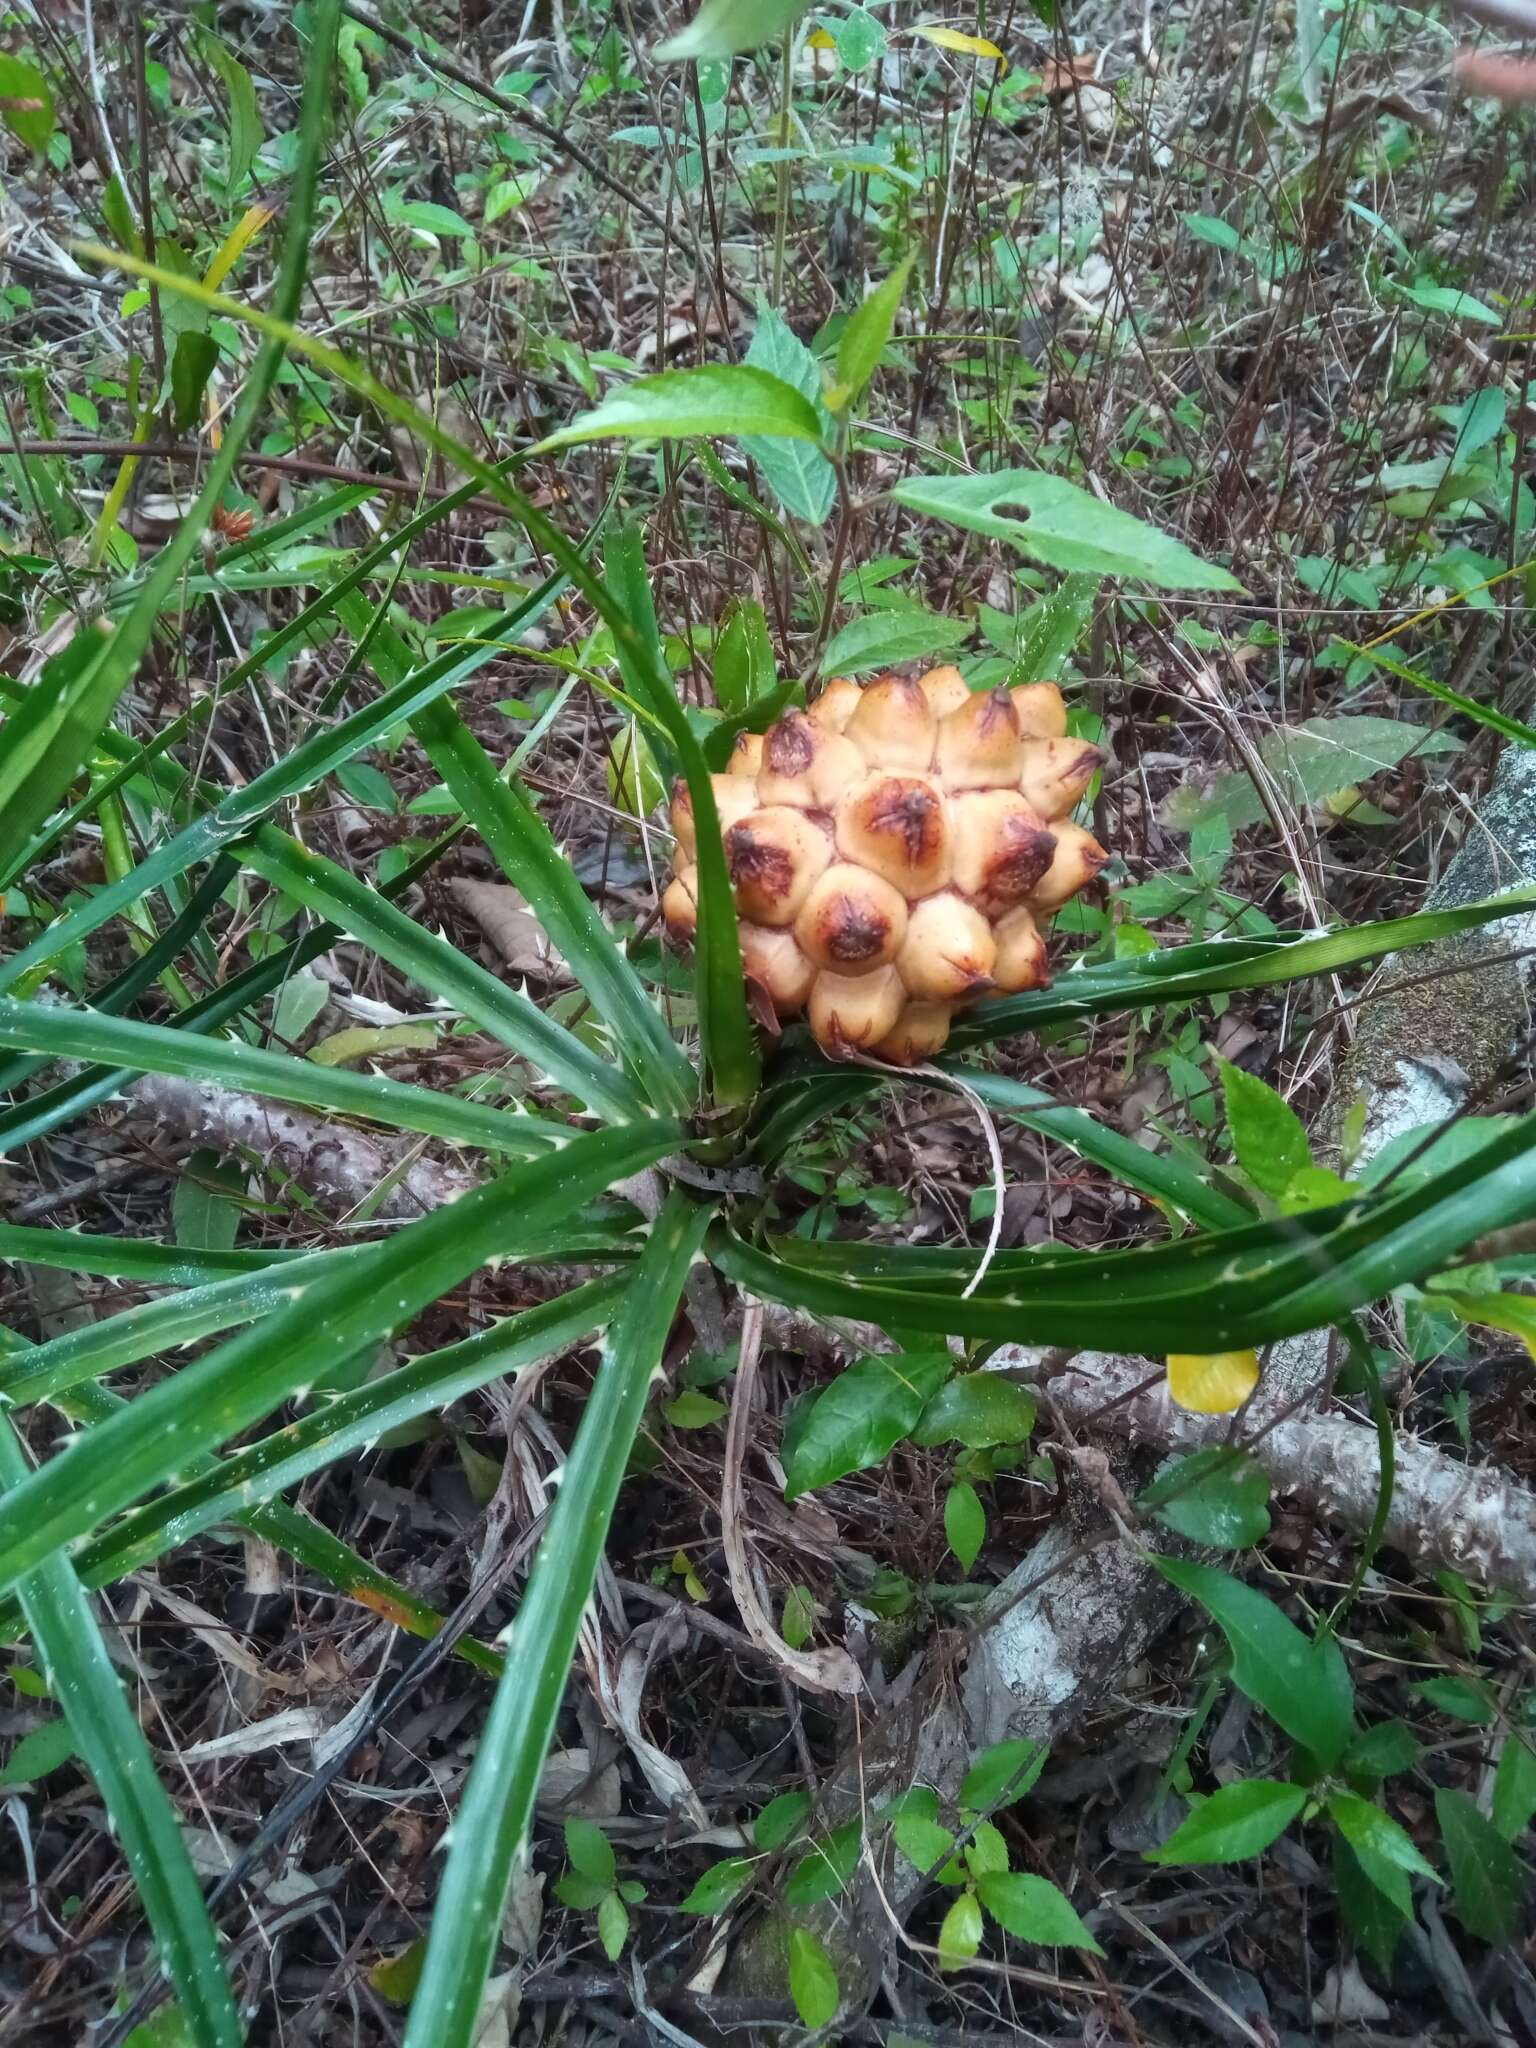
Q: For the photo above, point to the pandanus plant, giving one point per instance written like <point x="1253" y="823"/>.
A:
<point x="916" y="831"/>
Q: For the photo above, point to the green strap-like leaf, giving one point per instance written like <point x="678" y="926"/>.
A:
<point x="310" y="762"/>
<point x="725" y="1025"/>
<point x="107" y="1469"/>
<point x="89" y="703"/>
<point x="1229" y="1289"/>
<point x="528" y="856"/>
<point x="322" y="886"/>
<point x="152" y="1049"/>
<point x="1220" y="965"/>
<point x="228" y="1487"/>
<point x="496" y="1805"/>
<point x="111" y="1743"/>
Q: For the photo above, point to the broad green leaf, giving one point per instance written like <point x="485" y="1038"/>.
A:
<point x="1211" y="1382"/>
<point x="716" y="399"/>
<point x="861" y="39"/>
<point x="26" y="104"/>
<point x="965" y="1523"/>
<point x="396" y="1977"/>
<point x="1063" y="526"/>
<point x="781" y="1819"/>
<point x="1033" y="1909"/>
<point x="1310" y="762"/>
<point x="1487" y="1882"/>
<point x="1048" y="633"/>
<point x="1371" y="1917"/>
<point x="1267" y="1135"/>
<point x="812" y="1979"/>
<point x="979" y="1410"/>
<point x="496" y="1805"/>
<point x="1386" y="1854"/>
<point x="1216" y="1496"/>
<point x="41" y="1750"/>
<point x="826" y="1866"/>
<point x="109" y="1467"/>
<point x="800" y="476"/>
<point x="1514" y="1786"/>
<point x="1002" y="1775"/>
<point x="1464" y="1699"/>
<point x="923" y="1842"/>
<point x="589" y="1851"/>
<point x="193" y="362"/>
<point x="1303" y="1685"/>
<point x="960" y="1933"/>
<point x="203" y="1209"/>
<point x="986" y="1853"/>
<point x="1513" y="1313"/>
<point x="862" y="1415"/>
<point x="693" y="1410"/>
<point x="721" y="28"/>
<point x="1444" y="298"/>
<point x="865" y="335"/>
<point x="1236" y="1822"/>
<point x="744" y="668"/>
<point x="613" y="1926"/>
<point x="1382" y="1751"/>
<point x="245" y="129"/>
<point x="719" y="1885"/>
<point x="880" y="639"/>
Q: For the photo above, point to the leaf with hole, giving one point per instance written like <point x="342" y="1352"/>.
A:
<point x="1063" y="526"/>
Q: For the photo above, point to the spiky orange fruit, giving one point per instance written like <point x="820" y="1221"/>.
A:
<point x="895" y="852"/>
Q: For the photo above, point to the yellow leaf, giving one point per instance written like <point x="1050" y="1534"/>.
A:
<point x="1515" y="1314"/>
<point x="1212" y="1383"/>
<point x="235" y="244"/>
<point x="953" y="39"/>
<point x="371" y="1041"/>
<point x="820" y="39"/>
